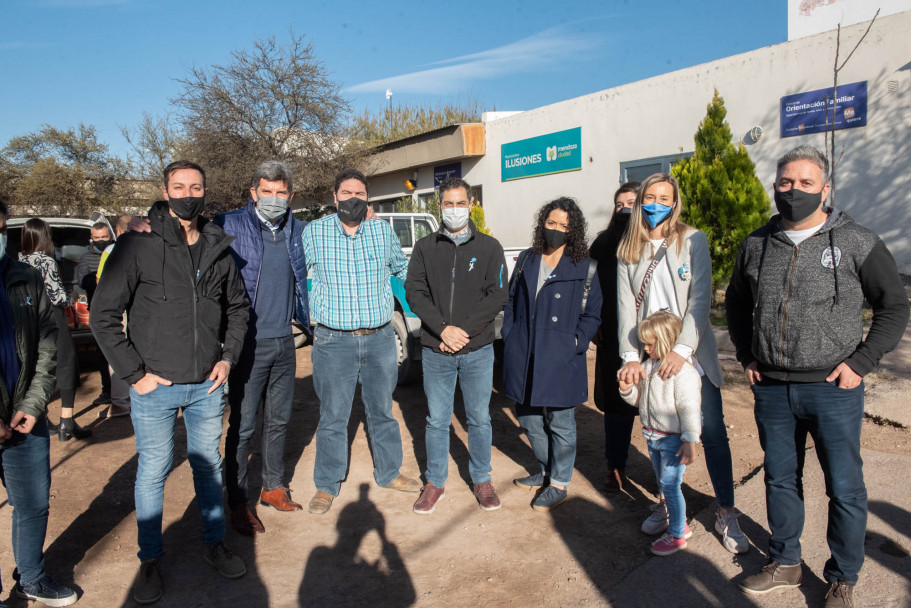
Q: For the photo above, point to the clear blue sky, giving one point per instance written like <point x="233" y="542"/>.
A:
<point x="104" y="62"/>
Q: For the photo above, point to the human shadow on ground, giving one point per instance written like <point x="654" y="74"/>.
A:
<point x="189" y="581"/>
<point x="888" y="551"/>
<point x="107" y="510"/>
<point x="340" y="575"/>
<point x="684" y="579"/>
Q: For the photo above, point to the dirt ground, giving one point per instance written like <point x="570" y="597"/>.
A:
<point x="370" y="549"/>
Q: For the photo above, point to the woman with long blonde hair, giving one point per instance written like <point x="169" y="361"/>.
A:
<point x="663" y="264"/>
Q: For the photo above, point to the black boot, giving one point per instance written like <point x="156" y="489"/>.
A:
<point x="68" y="428"/>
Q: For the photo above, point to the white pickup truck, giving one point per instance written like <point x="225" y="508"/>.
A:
<point x="411" y="227"/>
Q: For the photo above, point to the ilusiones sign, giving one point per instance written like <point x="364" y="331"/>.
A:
<point x="542" y="155"/>
<point x="811" y="112"/>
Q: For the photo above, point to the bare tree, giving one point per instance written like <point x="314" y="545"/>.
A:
<point x="830" y="124"/>
<point x="274" y="101"/>
<point x="155" y="142"/>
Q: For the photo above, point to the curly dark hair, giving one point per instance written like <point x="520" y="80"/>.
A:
<point x="576" y="242"/>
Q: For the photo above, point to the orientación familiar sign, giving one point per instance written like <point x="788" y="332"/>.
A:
<point x="818" y="111"/>
<point x="542" y="155"/>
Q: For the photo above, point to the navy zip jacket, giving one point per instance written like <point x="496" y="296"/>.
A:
<point x="247" y="250"/>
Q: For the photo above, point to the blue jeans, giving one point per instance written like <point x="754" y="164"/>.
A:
<point x="669" y="472"/>
<point x="340" y="361"/>
<point x="25" y="468"/>
<point x="154" y="416"/>
<point x="264" y="374"/>
<point x="714" y="440"/>
<point x="474" y="371"/>
<point x="833" y="417"/>
<point x="552" y="433"/>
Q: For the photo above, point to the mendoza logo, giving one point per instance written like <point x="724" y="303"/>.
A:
<point x="552" y="153"/>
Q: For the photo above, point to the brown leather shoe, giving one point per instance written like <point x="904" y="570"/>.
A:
<point x="320" y="502"/>
<point x="427" y="502"/>
<point x="404" y="484"/>
<point x="772" y="576"/>
<point x="279" y="498"/>
<point x="840" y="595"/>
<point x="245" y="521"/>
<point x="486" y="495"/>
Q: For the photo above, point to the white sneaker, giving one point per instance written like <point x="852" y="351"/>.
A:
<point x="732" y="537"/>
<point x="657" y="522"/>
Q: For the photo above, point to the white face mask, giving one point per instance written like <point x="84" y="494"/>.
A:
<point x="455" y="218"/>
<point x="2" y="245"/>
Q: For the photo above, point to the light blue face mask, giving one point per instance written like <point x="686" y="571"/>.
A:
<point x="2" y="245"/>
<point x="655" y="213"/>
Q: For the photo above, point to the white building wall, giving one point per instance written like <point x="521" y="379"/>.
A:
<point x="659" y="116"/>
<point x="808" y="17"/>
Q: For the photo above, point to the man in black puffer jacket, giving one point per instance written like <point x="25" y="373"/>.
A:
<point x="186" y="318"/>
<point x="794" y="313"/>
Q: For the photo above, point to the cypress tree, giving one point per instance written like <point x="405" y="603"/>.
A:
<point x="721" y="194"/>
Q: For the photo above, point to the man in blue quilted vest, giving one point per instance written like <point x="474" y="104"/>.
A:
<point x="268" y="251"/>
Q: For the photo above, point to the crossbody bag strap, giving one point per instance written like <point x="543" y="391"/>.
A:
<point x="659" y="255"/>
<point x="517" y="276"/>
<point x="592" y="268"/>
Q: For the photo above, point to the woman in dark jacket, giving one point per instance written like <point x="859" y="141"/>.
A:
<point x="37" y="250"/>
<point x="553" y="313"/>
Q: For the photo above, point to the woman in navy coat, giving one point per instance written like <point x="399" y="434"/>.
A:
<point x="553" y="313"/>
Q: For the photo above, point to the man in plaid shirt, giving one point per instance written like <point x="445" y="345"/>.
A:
<point x="350" y="261"/>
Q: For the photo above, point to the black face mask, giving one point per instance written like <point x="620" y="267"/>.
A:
<point x="352" y="210"/>
<point x="101" y="245"/>
<point x="188" y="207"/>
<point x="555" y="238"/>
<point x="796" y="205"/>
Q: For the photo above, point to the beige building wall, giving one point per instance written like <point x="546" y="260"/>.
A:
<point x="659" y="116"/>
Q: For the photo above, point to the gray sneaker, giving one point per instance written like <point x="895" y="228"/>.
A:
<point x="224" y="560"/>
<point x="658" y="521"/>
<point x="532" y="482"/>
<point x="549" y="499"/>
<point x="47" y="592"/>
<point x="773" y="576"/>
<point x="732" y="537"/>
<point x="147" y="588"/>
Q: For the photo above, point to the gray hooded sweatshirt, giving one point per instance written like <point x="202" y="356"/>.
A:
<point x="796" y="310"/>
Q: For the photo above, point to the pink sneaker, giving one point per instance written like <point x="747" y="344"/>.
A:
<point x="667" y="544"/>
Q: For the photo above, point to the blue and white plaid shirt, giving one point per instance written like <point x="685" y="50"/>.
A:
<point x="350" y="286"/>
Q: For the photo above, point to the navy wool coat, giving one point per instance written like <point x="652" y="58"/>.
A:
<point x="561" y="330"/>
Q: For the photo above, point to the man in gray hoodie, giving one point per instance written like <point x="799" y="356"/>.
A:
<point x="794" y="314"/>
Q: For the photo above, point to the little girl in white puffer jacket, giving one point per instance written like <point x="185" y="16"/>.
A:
<point x="670" y="411"/>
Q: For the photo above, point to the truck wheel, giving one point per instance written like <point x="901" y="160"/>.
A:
<point x="403" y="349"/>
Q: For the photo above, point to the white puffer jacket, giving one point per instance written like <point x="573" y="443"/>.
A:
<point x="671" y="406"/>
